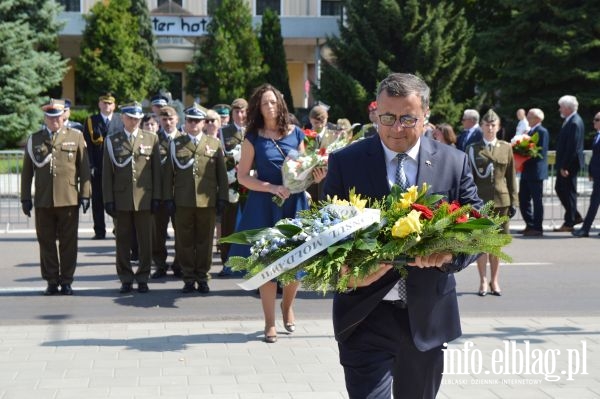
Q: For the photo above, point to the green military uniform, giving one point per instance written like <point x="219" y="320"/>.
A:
<point x="196" y="179"/>
<point x="231" y="136"/>
<point x="494" y="174"/>
<point x="60" y="165"/>
<point x="132" y="180"/>
<point x="161" y="218"/>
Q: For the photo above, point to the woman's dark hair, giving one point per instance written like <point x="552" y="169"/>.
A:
<point x="255" y="118"/>
<point x="447" y="132"/>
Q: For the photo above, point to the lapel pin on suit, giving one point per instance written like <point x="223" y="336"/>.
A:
<point x="428" y="162"/>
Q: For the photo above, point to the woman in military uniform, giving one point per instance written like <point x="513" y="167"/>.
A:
<point x="494" y="173"/>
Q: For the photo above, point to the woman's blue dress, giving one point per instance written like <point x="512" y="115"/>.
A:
<point x="260" y="210"/>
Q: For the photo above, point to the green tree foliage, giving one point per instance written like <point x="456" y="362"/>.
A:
<point x="228" y="62"/>
<point x="146" y="47"/>
<point x="112" y="58"/>
<point x="29" y="65"/>
<point x="271" y="45"/>
<point x="540" y="52"/>
<point x="382" y="36"/>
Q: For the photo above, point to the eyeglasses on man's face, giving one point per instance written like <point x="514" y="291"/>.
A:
<point x="406" y="121"/>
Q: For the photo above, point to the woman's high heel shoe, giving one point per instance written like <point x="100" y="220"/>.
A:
<point x="494" y="292"/>
<point x="270" y="339"/>
<point x="290" y="327"/>
<point x="482" y="290"/>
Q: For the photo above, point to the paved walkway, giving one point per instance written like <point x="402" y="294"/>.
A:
<point x="226" y="359"/>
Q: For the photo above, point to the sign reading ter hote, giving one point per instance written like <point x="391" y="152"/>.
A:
<point x="179" y="25"/>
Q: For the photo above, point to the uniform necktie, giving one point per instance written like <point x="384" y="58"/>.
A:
<point x="400" y="178"/>
<point x="489" y="147"/>
<point x="402" y="182"/>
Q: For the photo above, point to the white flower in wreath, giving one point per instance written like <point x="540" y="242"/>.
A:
<point x="233" y="196"/>
<point x="231" y="176"/>
<point x="236" y="153"/>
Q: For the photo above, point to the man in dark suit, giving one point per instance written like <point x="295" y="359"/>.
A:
<point x="569" y="161"/>
<point x="594" y="172"/>
<point x="472" y="132"/>
<point x="535" y="171"/>
<point x="95" y="130"/>
<point x="386" y="333"/>
<point x="56" y="157"/>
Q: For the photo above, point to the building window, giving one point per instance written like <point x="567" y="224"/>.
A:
<point x="71" y="5"/>
<point x="178" y="2"/>
<point x="331" y="7"/>
<point x="262" y="5"/>
<point x="213" y="5"/>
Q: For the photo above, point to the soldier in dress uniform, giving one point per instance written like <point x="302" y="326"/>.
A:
<point x="95" y="130"/>
<point x="231" y="136"/>
<point x="195" y="185"/>
<point x="67" y="114"/>
<point x="168" y="119"/>
<point x="131" y="186"/>
<point x="493" y="170"/>
<point x="57" y="157"/>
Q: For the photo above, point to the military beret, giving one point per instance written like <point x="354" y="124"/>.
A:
<point x="239" y="103"/>
<point x="67" y="103"/>
<point x="222" y="109"/>
<point x="168" y="111"/>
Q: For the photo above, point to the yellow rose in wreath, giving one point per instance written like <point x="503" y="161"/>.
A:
<point x="407" y="225"/>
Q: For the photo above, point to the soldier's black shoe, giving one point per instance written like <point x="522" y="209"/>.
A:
<point x="99" y="237"/>
<point x="66" y="289"/>
<point x="126" y="288"/>
<point x="143" y="288"/>
<point x="51" y="289"/>
<point x="203" y="287"/>
<point x="187" y="288"/>
<point x="159" y="273"/>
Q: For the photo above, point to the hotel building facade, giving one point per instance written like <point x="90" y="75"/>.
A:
<point x="177" y="25"/>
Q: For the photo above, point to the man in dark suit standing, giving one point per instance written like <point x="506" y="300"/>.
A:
<point x="95" y="130"/>
<point x="472" y="132"/>
<point x="569" y="161"/>
<point x="535" y="171"/>
<point x="392" y="329"/>
<point x="594" y="175"/>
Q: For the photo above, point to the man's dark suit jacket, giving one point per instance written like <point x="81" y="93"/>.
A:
<point x="94" y="132"/>
<point x="431" y="293"/>
<point x="569" y="146"/>
<point x="594" y="167"/>
<point x="537" y="168"/>
<point x="462" y="143"/>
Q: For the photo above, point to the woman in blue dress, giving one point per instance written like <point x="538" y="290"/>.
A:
<point x="269" y="138"/>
